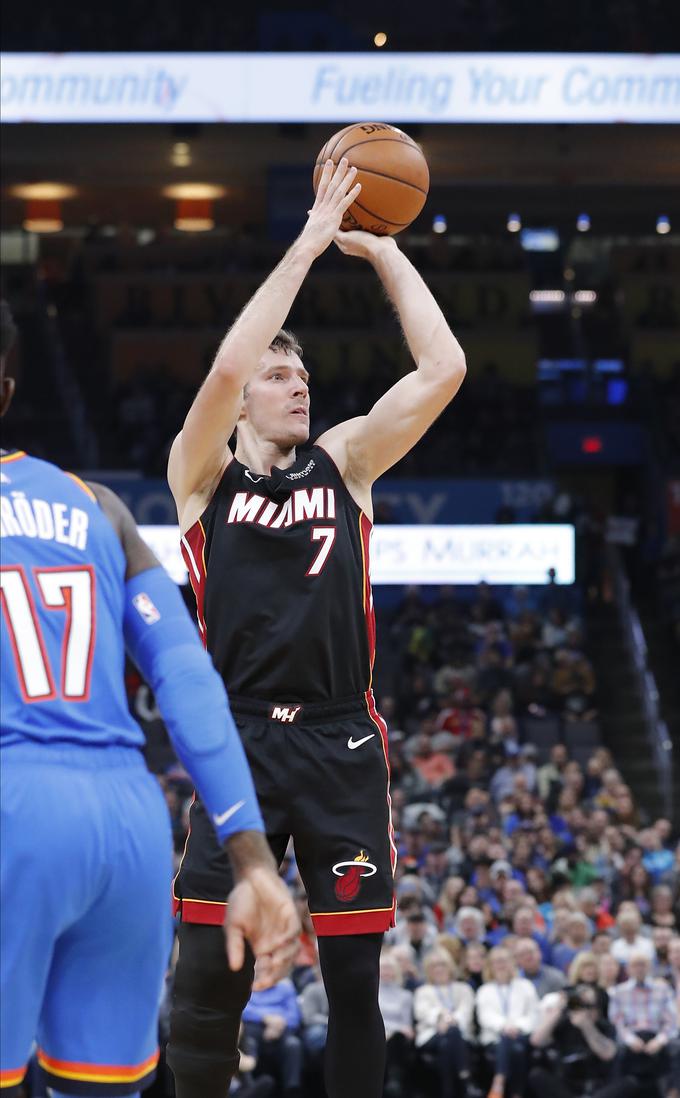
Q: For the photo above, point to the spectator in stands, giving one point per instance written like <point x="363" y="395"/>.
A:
<point x="504" y="782"/>
<point x="580" y="1048"/>
<point x="396" y="1007"/>
<point x="507" y="1010"/>
<point x="313" y="1003"/>
<point x="657" y="859"/>
<point x="474" y="962"/>
<point x="529" y="960"/>
<point x="629" y="938"/>
<point x="645" y="1014"/>
<point x="609" y="972"/>
<point x="662" y="911"/>
<point x="550" y="776"/>
<point x="271" y="1021"/>
<point x="470" y="926"/>
<point x="443" y="1007"/>
<point x="244" y="1085"/>
<point x="585" y="970"/>
<point x="576" y="939"/>
<point x="434" y="767"/>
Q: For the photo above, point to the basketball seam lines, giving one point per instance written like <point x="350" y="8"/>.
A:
<point x="401" y="224"/>
<point x="384" y="175"/>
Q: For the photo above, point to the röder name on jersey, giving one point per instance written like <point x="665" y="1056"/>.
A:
<point x="38" y="518"/>
<point x="302" y="505"/>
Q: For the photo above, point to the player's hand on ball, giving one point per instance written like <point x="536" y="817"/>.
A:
<point x="362" y="244"/>
<point x="261" y="910"/>
<point x="336" y="192"/>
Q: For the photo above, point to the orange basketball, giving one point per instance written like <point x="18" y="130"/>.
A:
<point x="392" y="171"/>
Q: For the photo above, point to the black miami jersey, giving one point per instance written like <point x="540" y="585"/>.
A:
<point x="279" y="566"/>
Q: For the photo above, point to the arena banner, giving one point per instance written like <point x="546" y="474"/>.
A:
<point x="327" y="87"/>
<point x="460" y="555"/>
<point x="395" y="500"/>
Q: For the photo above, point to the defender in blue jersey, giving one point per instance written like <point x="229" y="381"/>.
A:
<point x="86" y="850"/>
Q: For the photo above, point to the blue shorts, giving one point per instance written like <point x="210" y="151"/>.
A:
<point x="86" y="929"/>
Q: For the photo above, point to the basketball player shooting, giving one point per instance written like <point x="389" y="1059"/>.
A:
<point x="277" y="547"/>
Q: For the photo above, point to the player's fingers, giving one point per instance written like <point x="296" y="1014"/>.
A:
<point x="337" y="177"/>
<point x="236" y="949"/>
<point x="340" y="192"/>
<point x="265" y="973"/>
<point x="326" y="176"/>
<point x="350" y="197"/>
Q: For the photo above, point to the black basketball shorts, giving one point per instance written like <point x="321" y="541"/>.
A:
<point x="322" y="776"/>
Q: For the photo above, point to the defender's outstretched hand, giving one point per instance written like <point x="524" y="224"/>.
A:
<point x="336" y="193"/>
<point x="261" y="910"/>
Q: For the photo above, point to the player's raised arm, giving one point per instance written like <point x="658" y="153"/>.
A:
<point x="367" y="446"/>
<point x="199" y="453"/>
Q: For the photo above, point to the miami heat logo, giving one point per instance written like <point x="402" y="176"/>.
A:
<point x="350" y="874"/>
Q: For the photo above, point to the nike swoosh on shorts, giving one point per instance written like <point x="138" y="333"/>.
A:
<point x="352" y="744"/>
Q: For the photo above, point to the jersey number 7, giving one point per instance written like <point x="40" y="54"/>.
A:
<point x="71" y="590"/>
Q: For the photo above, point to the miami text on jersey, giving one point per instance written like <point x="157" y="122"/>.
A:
<point x="301" y="506"/>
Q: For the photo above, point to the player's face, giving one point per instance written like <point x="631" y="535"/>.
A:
<point x="276" y="404"/>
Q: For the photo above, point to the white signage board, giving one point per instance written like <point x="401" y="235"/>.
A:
<point x="340" y="87"/>
<point x="460" y="555"/>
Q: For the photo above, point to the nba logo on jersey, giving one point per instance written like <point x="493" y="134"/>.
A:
<point x="145" y="608"/>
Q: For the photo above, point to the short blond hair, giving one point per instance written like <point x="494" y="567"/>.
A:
<point x="436" y="956"/>
<point x="576" y="966"/>
<point x="287" y="342"/>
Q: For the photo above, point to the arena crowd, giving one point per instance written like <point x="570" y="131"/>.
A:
<point x="537" y="943"/>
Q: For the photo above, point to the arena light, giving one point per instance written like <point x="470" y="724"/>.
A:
<point x="194" y="190"/>
<point x="43" y="213"/>
<point x="663" y="224"/>
<point x="546" y="297"/>
<point x="380" y="39"/>
<point x="463" y="555"/>
<point x="583" y="222"/>
<point x="514" y="223"/>
<point x="180" y="156"/>
<point x="585" y="297"/>
<point x="439" y="224"/>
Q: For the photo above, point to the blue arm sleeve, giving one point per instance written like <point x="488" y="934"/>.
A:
<point x="163" y="642"/>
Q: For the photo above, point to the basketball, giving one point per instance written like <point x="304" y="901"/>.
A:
<point x="392" y="171"/>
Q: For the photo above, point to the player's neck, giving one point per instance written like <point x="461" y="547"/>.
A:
<point x="261" y="455"/>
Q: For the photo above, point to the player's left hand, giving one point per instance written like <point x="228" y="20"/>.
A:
<point x="364" y="245"/>
<point x="262" y="911"/>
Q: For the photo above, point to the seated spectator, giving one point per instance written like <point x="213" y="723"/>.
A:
<point x="576" y="939"/>
<point x="314" y="1010"/>
<point x="551" y="774"/>
<point x="443" y="1008"/>
<point x="474" y="961"/>
<point x="417" y="933"/>
<point x="504" y="781"/>
<point x="585" y="971"/>
<point x="243" y="1084"/>
<point x="645" y="1013"/>
<point x="662" y="936"/>
<point x="662" y="911"/>
<point x="507" y="1010"/>
<point x="529" y="960"/>
<point x="434" y="767"/>
<point x="580" y="1049"/>
<point x="470" y="926"/>
<point x="609" y="971"/>
<point x="524" y="926"/>
<point x="396" y="1007"/>
<point x="657" y="859"/>
<point x="629" y="940"/>
<point x="271" y="1021"/>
